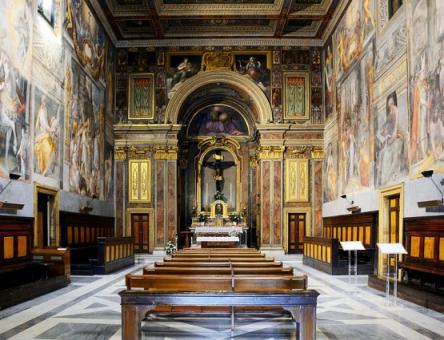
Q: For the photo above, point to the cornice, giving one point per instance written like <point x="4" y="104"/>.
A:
<point x="334" y="20"/>
<point x="196" y="42"/>
<point x="104" y="20"/>
<point x="278" y="127"/>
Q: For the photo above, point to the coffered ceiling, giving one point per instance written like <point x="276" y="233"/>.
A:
<point x="137" y="20"/>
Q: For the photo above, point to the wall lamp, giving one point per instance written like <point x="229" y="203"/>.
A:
<point x="432" y="203"/>
<point x="5" y="205"/>
<point x="352" y="208"/>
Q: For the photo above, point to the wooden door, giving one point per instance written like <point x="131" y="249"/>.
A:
<point x="140" y="232"/>
<point x="296" y="232"/>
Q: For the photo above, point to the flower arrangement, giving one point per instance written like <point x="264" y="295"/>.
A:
<point x="235" y="217"/>
<point x="202" y="217"/>
<point x="170" y="248"/>
<point x="219" y="196"/>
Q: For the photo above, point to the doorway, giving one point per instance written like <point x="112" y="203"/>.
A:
<point x="296" y="232"/>
<point x="140" y="225"/>
<point x="46" y="225"/>
<point x="140" y="231"/>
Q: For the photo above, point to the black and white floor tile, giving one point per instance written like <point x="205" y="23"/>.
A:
<point x="90" y="309"/>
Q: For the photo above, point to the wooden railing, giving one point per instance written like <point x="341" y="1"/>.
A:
<point x="114" y="253"/>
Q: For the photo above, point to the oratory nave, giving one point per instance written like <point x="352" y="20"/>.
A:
<point x="175" y="169"/>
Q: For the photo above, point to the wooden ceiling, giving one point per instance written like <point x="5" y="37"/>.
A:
<point x="191" y="19"/>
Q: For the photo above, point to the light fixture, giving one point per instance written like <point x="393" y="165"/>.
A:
<point x="5" y="205"/>
<point x="86" y="208"/>
<point x="352" y="208"/>
<point x="432" y="203"/>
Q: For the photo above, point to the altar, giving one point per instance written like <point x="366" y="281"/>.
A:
<point x="218" y="219"/>
<point x="213" y="236"/>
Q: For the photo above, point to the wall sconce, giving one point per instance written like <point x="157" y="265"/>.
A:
<point x="432" y="203"/>
<point x="5" y="205"/>
<point x="352" y="208"/>
<point x="86" y="208"/>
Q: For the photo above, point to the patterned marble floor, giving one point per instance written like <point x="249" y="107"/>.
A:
<point x="89" y="309"/>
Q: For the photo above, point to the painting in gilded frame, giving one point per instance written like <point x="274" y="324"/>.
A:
<point x="296" y="95"/>
<point x="141" y="96"/>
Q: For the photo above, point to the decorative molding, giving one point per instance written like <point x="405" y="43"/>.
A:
<point x="253" y="161"/>
<point x="120" y="153"/>
<point x="270" y="152"/>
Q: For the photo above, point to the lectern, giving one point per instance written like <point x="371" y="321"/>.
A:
<point x="391" y="249"/>
<point x="354" y="246"/>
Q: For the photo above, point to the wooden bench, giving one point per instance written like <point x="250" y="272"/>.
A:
<point x="273" y="264"/>
<point x="219" y="259"/>
<point x="218" y="271"/>
<point x="145" y="292"/>
<point x="218" y="255"/>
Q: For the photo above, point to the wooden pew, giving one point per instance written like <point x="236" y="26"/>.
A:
<point x="218" y="264"/>
<point x="218" y="271"/>
<point x="246" y="255"/>
<point x="144" y="292"/>
<point x="219" y="259"/>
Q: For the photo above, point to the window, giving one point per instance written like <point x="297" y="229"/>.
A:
<point x="393" y="6"/>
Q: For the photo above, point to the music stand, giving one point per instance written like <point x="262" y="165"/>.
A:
<point x="391" y="249"/>
<point x="354" y="246"/>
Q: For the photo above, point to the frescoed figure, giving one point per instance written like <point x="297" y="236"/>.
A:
<point x="218" y="120"/>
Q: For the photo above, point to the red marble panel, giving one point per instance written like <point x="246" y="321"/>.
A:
<point x="317" y="198"/>
<point x="172" y="187"/>
<point x="277" y="202"/>
<point x="160" y="202"/>
<point x="265" y="199"/>
<point x="119" y="171"/>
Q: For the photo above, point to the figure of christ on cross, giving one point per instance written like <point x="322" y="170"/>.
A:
<point x="219" y="166"/>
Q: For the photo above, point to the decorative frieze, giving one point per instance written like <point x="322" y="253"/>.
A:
<point x="139" y="152"/>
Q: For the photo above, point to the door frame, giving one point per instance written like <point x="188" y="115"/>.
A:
<point x="384" y="196"/>
<point x="50" y="191"/>
<point x="295" y="210"/>
<point x="128" y="229"/>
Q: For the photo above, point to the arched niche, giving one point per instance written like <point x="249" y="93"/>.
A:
<point x="209" y="146"/>
<point x="261" y="106"/>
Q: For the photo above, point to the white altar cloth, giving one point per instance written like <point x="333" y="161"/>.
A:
<point x="217" y="239"/>
<point x="217" y="230"/>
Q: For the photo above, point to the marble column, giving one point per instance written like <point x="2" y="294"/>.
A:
<point x="165" y="189"/>
<point x="270" y="190"/>
<point x="120" y="177"/>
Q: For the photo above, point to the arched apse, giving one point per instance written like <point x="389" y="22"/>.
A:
<point x="261" y="108"/>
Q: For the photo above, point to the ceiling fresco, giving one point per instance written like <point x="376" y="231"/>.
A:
<point x="172" y="19"/>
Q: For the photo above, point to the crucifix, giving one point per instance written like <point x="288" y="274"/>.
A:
<point x="218" y="165"/>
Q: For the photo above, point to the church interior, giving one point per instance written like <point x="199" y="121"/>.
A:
<point x="226" y="169"/>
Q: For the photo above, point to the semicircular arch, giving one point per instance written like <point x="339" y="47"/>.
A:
<point x="259" y="100"/>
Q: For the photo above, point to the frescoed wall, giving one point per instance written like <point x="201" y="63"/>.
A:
<point x="389" y="78"/>
<point x="52" y="100"/>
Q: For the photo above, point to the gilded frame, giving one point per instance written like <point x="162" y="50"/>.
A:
<point x="134" y="195"/>
<point x="296" y="174"/>
<point x="151" y="93"/>
<point x="305" y="114"/>
<point x="384" y="195"/>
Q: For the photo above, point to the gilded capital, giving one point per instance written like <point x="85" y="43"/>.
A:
<point x="317" y="153"/>
<point x="271" y="152"/>
<point x="119" y="153"/>
<point x="166" y="153"/>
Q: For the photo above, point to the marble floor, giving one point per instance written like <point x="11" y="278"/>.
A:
<point x="90" y="309"/>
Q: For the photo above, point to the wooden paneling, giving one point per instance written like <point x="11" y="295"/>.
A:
<point x="429" y="247"/>
<point x="22" y="246"/>
<point x="8" y="247"/>
<point x="415" y="242"/>
<point x="15" y="239"/>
